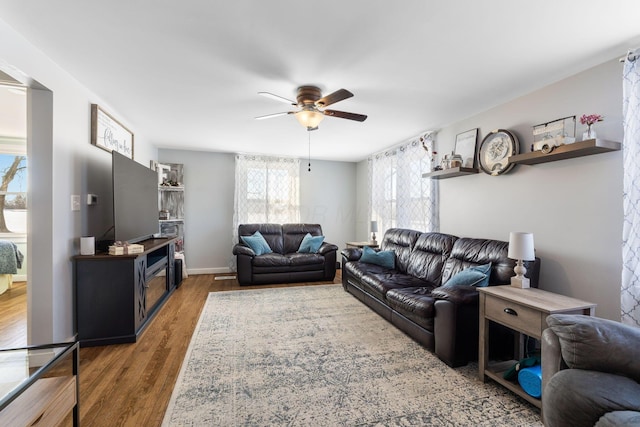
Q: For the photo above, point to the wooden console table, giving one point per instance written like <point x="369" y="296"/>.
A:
<point x="525" y="311"/>
<point x="39" y="385"/>
<point x="118" y="295"/>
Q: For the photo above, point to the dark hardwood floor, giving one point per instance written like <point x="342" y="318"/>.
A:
<point x="131" y="384"/>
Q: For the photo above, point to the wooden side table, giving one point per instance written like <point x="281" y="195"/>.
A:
<point x="524" y="311"/>
<point x="360" y="245"/>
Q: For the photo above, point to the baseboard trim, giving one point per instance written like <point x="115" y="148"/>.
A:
<point x="215" y="270"/>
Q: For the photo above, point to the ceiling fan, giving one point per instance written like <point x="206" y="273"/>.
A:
<point x="312" y="106"/>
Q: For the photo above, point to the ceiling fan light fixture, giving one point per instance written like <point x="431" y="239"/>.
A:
<point x="309" y="117"/>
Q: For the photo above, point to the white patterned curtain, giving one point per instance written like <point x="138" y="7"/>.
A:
<point x="400" y="196"/>
<point x="630" y="291"/>
<point x="266" y="191"/>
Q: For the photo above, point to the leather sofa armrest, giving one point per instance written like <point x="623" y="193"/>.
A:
<point x="325" y="248"/>
<point x="457" y="294"/>
<point x="239" y="249"/>
<point x="351" y="254"/>
<point x="552" y="361"/>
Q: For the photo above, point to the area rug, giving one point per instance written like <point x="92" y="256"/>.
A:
<point x="315" y="355"/>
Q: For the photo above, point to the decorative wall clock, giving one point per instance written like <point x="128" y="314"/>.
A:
<point x="495" y="150"/>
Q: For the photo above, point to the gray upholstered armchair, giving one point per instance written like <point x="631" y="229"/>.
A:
<point x="590" y="372"/>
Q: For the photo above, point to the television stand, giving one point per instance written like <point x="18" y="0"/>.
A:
<point x="118" y="295"/>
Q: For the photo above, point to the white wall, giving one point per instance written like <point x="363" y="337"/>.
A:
<point x="208" y="209"/>
<point x="573" y="207"/>
<point x="327" y="197"/>
<point x="61" y="160"/>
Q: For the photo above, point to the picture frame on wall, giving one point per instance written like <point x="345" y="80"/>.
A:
<point x="109" y="134"/>
<point x="466" y="143"/>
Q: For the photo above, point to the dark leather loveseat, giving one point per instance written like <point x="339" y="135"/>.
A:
<point x="285" y="264"/>
<point x="443" y="319"/>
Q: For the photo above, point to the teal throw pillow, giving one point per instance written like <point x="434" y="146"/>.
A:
<point x="477" y="276"/>
<point x="385" y="259"/>
<point x="310" y="244"/>
<point x="257" y="243"/>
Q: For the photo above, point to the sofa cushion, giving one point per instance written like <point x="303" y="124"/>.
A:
<point x="467" y="252"/>
<point x="359" y="269"/>
<point x="587" y="343"/>
<point x="571" y="397"/>
<point x="277" y="263"/>
<point x="304" y="259"/>
<point x="310" y="244"/>
<point x="477" y="276"/>
<point x="292" y="235"/>
<point x="385" y="259"/>
<point x="257" y="243"/>
<point x="377" y="280"/>
<point x="272" y="259"/>
<point x="272" y="233"/>
<point x="400" y="241"/>
<point x="379" y="284"/>
<point x="429" y="253"/>
<point x="416" y="304"/>
<point x="619" y="419"/>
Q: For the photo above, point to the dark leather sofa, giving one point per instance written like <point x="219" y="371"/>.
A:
<point x="444" y="319"/>
<point x="284" y="264"/>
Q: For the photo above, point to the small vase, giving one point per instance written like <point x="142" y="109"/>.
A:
<point x="590" y="133"/>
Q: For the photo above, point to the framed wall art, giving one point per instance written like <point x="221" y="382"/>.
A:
<point x="466" y="146"/>
<point x="109" y="134"/>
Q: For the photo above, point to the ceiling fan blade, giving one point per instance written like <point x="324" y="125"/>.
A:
<point x="277" y="98"/>
<point x="345" y="115"/>
<point x="268" y="116"/>
<point x="334" y="97"/>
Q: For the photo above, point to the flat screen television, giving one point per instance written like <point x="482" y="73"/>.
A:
<point x="135" y="200"/>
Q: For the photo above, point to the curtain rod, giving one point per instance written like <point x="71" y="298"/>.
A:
<point x="632" y="55"/>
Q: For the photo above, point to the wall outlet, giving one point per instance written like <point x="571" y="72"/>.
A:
<point x="75" y="202"/>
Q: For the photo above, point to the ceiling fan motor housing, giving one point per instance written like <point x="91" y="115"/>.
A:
<point x="308" y="95"/>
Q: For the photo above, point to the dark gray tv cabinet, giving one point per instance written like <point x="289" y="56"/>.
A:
<point x="118" y="295"/>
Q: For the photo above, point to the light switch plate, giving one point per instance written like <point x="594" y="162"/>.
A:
<point x="75" y="202"/>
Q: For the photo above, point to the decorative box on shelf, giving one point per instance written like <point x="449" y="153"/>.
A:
<point x="126" y="249"/>
<point x="547" y="136"/>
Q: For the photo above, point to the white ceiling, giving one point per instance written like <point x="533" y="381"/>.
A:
<point x="185" y="74"/>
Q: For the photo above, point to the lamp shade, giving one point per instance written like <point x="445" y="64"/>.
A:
<point x="374" y="226"/>
<point x="309" y="117"/>
<point x="521" y="246"/>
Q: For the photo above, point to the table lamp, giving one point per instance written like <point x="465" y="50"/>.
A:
<point x="374" y="229"/>
<point x="520" y="249"/>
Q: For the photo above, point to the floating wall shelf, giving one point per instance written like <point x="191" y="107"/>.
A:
<point x="570" y="151"/>
<point x="450" y="173"/>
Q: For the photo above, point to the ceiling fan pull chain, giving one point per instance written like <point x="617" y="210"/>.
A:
<point x="309" y="132"/>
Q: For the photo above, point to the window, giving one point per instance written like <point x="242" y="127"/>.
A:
<point x="13" y="193"/>
<point x="266" y="191"/>
<point x="400" y="197"/>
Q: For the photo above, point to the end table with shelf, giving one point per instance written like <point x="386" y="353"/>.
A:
<point x="525" y="312"/>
